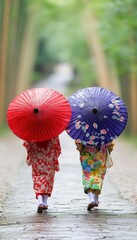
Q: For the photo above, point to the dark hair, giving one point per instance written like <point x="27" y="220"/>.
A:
<point x="98" y="148"/>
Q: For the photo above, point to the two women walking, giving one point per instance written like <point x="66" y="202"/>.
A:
<point x="43" y="157"/>
<point x="93" y="116"/>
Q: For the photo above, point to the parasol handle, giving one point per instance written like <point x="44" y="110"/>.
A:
<point x="94" y="110"/>
<point x="36" y="110"/>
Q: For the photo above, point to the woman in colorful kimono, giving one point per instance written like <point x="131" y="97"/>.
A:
<point x="93" y="163"/>
<point x="43" y="157"/>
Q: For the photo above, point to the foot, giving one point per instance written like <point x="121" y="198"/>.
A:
<point x="91" y="206"/>
<point x="45" y="207"/>
<point x="96" y="204"/>
<point x="40" y="208"/>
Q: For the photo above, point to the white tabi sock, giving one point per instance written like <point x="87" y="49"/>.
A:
<point x="96" y="198"/>
<point x="91" y="195"/>
<point x="45" y="198"/>
<point x="40" y="200"/>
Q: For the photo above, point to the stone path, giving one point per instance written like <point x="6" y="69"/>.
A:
<point x="67" y="216"/>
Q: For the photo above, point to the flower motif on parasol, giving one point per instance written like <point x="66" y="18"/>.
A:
<point x="38" y="114"/>
<point x="98" y="116"/>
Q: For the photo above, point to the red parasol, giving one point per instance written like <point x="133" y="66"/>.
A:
<point x="38" y="114"/>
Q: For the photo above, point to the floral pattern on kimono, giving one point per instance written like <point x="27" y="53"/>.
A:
<point x="93" y="162"/>
<point x="44" y="161"/>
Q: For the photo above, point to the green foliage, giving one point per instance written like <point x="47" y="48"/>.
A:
<point x="62" y="39"/>
<point x="118" y="30"/>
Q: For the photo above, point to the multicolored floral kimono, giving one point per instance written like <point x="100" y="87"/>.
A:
<point x="43" y="156"/>
<point x="93" y="162"/>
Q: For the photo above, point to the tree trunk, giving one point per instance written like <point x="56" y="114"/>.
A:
<point x="96" y="50"/>
<point x="133" y="104"/>
<point x="26" y="60"/>
<point x="17" y="43"/>
<point x="3" y="57"/>
<point x="106" y="76"/>
<point x="14" y="47"/>
<point x="133" y="79"/>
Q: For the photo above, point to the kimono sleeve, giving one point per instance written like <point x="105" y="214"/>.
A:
<point x="27" y="146"/>
<point x="57" y="146"/>
<point x="57" y="168"/>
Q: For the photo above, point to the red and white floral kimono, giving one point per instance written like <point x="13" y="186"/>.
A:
<point x="43" y="156"/>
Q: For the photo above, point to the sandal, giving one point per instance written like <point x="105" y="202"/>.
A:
<point x="45" y="207"/>
<point x="40" y="208"/>
<point x="90" y="206"/>
<point x="96" y="204"/>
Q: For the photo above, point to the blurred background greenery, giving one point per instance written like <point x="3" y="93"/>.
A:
<point x="98" y="39"/>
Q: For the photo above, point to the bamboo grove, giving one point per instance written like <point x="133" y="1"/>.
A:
<point x="98" y="38"/>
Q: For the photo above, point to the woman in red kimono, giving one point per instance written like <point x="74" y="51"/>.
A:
<point x="43" y="157"/>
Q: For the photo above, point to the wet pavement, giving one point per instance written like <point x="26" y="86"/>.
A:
<point x="67" y="216"/>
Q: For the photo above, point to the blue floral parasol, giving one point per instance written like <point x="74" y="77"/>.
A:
<point x="98" y="116"/>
